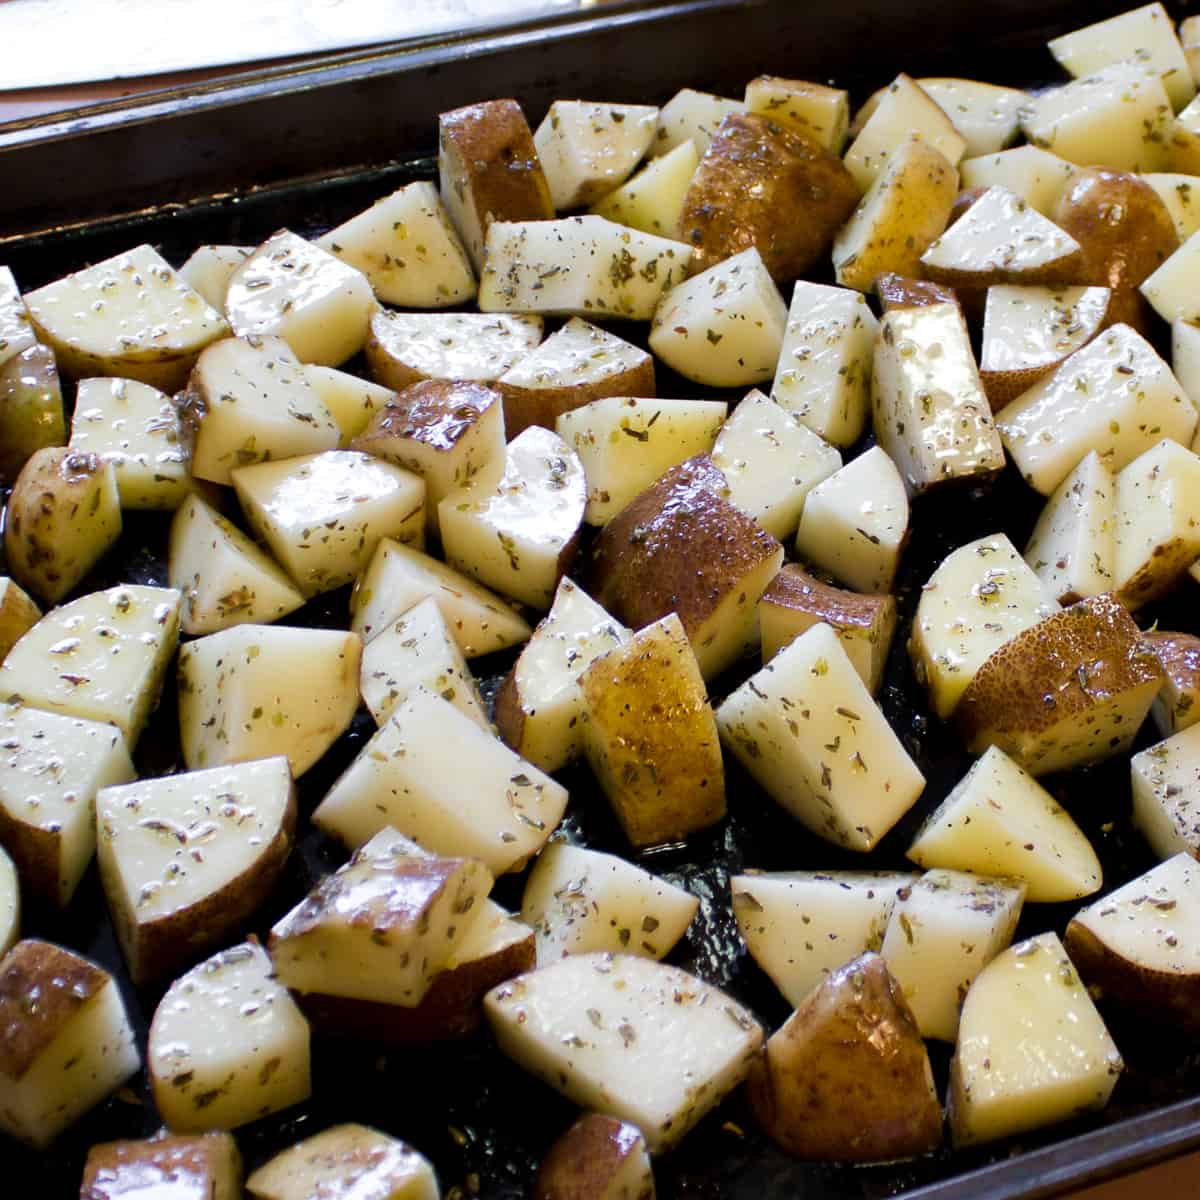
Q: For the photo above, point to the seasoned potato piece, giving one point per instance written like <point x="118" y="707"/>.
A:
<point x="1164" y="779"/>
<point x="652" y="200"/>
<point x="987" y="116"/>
<point x="18" y="614"/>
<point x="203" y="1167"/>
<point x="1036" y="175"/>
<point x="16" y="327"/>
<point x="691" y="116"/>
<point x="1180" y="195"/>
<point x="10" y="903"/>
<point x="351" y="402"/>
<point x="210" y="268"/>
<point x="821" y="113"/>
<point x="597" y="1157"/>
<point x="1175" y="708"/>
<point x="1171" y="289"/>
<point x="31" y="408"/>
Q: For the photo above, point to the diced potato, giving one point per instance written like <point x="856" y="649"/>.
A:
<point x="18" y="614"/>
<point x="597" y="1156"/>
<point x="109" y="652"/>
<point x="1164" y="781"/>
<point x="1189" y="37"/>
<point x="1176" y="707"/>
<point x="987" y="116"/>
<point x="434" y="775"/>
<point x="1034" y="174"/>
<point x="10" y="903"/>
<point x="292" y="289"/>
<point x="1031" y="1049"/>
<point x="806" y="728"/>
<point x="407" y="248"/>
<point x="626" y="444"/>
<point x="819" y="112"/>
<point x="210" y="268"/>
<point x="1171" y="289"/>
<point x="580" y="900"/>
<point x="130" y="316"/>
<point x="652" y="200"/>
<point x="350" y="401"/>
<point x="16" y="328"/>
<point x="203" y="1167"/>
<point x="824" y="369"/>
<point x="68" y="1042"/>
<point x="1185" y="358"/>
<point x="227" y="1045"/>
<point x="855" y="523"/>
<point x="31" y="408"/>
<point x="1181" y="195"/>
<point x="324" y="514"/>
<point x="627" y="1036"/>
<point x="651" y="738"/>
<point x="691" y="116"/>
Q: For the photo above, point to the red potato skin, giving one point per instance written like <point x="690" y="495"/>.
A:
<point x="581" y="1164"/>
<point x="184" y="1168"/>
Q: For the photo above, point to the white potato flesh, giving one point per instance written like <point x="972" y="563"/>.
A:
<point x="350" y="401"/>
<point x="771" y="460"/>
<point x="1185" y="359"/>
<point x="821" y="113"/>
<point x="16" y="328"/>
<point x="855" y="523"/>
<point x="626" y="443"/>
<point x="407" y="248"/>
<point x="1181" y="195"/>
<point x="800" y="926"/>
<point x="986" y="115"/>
<point x="324" y="514"/>
<point x="249" y="400"/>
<point x="518" y="535"/>
<point x="999" y="820"/>
<point x="210" y="268"/>
<point x="587" y="149"/>
<point x="399" y="576"/>
<point x="578" y="267"/>
<point x="136" y="428"/>
<point x="903" y="110"/>
<point x="10" y="903"/>
<point x="580" y="900"/>
<point x="109" y="652"/>
<point x="627" y="1036"/>
<point x="1165" y="778"/>
<point x="434" y="775"/>
<point x="1145" y="33"/>
<point x="723" y="327"/>
<point x="810" y="733"/>
<point x="68" y="1042"/>
<point x="1115" y="396"/>
<point x="1189" y="37"/>
<point x="382" y="926"/>
<point x="255" y="691"/>
<point x="979" y="596"/>
<point x="1072" y="549"/>
<point x="292" y="289"/>
<point x="227" y="1045"/>
<point x="350" y="1161"/>
<point x="543" y="718"/>
<point x="1118" y="117"/>
<point x="931" y="413"/>
<point x="1034" y="174"/>
<point x="225" y="578"/>
<point x="824" y="369"/>
<point x="1171" y="289"/>
<point x="130" y="315"/>
<point x="652" y="200"/>
<point x="943" y="931"/>
<point x="417" y="649"/>
<point x="1032" y="1049"/>
<point x="691" y="116"/>
<point x="51" y="768"/>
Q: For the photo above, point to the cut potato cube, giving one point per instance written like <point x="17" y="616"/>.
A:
<point x="63" y="516"/>
<point x="187" y="858"/>
<point x="399" y="576"/>
<point x="1164" y="781"/>
<point x="691" y="116"/>
<point x="249" y="400"/>
<point x="1189" y="37"/>
<point x="1072" y="549"/>
<point x="796" y="601"/>
<point x="227" y="1045"/>
<point x="627" y="1036"/>
<point x="210" y="268"/>
<point x="1171" y="288"/>
<point x="1115" y="396"/>
<point x="723" y="327"/>
<point x="578" y="266"/>
<point x="1176" y="708"/>
<point x="350" y="401"/>
<point x="203" y="1167"/>
<point x="10" y="904"/>
<point x="801" y="926"/>
<point x="109" y="652"/>
<point x="406" y="348"/>
<point x="255" y="691"/>
<point x="598" y="1157"/>
<point x="540" y="708"/>
<point x="16" y="328"/>
<point x="1034" y="174"/>
<point x="292" y="289"/>
<point x="18" y="614"/>
<point x="824" y="369"/>
<point x="587" y="149"/>
<point x="1031" y="1049"/>
<point x="987" y="116"/>
<point x="821" y="113"/>
<point x="346" y="1161"/>
<point x="434" y="775"/>
<point x="130" y="316"/>
<point x="905" y="208"/>
<point x="31" y="408"/>
<point x="771" y="461"/>
<point x="626" y="444"/>
<point x="1180" y="195"/>
<point x="1185" y="357"/>
<point x="407" y="248"/>
<point x="651" y="738"/>
<point x="324" y="514"/>
<point x="806" y="728"/>
<point x="1100" y="678"/>
<point x="652" y="200"/>
<point x="855" y="523"/>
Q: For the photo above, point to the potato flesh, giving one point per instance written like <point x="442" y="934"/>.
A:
<point x="204" y="1167"/>
<point x="1179" y="194"/>
<point x="1185" y="357"/>
<point x="350" y="401"/>
<point x="434" y="775"/>
<point x="820" y="113"/>
<point x="782" y="723"/>
<point x="800" y="926"/>
<point x="987" y="116"/>
<point x="1164" y="779"/>
<point x="209" y="269"/>
<point x="31" y="408"/>
<point x="1034" y="174"/>
<point x="652" y="200"/>
<point x="691" y="116"/>
<point x="1175" y="706"/>
<point x="1171" y="288"/>
<point x="10" y="904"/>
<point x="661" y="1050"/>
<point x="227" y="1045"/>
<point x="16" y="329"/>
<point x="18" y="614"/>
<point x="1031" y="1049"/>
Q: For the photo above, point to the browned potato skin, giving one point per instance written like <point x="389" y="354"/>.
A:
<point x="35" y="853"/>
<point x="963" y="202"/>
<point x="1179" y="654"/>
<point x="847" y="1077"/>
<point x="186" y="1168"/>
<point x="31" y="408"/>
<point x="18" y="614"/>
<point x="510" y="713"/>
<point x="902" y="291"/>
<point x="765" y="185"/>
<point x="435" y="412"/>
<point x="581" y="1164"/>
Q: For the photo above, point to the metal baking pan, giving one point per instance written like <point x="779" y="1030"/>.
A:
<point x="305" y="147"/>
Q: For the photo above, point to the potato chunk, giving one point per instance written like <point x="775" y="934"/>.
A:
<point x="1036" y="175"/>
<point x="598" y="1157"/>
<point x="31" y="408"/>
<point x="352" y="402"/>
<point x="203" y="1167"/>
<point x="652" y="200"/>
<point x="821" y="113"/>
<point x="18" y="614"/>
<point x="10" y="903"/>
<point x="692" y="116"/>
<point x="1175" y="708"/>
<point x="987" y="116"/>
<point x="1164" y="780"/>
<point x="16" y="327"/>
<point x="208" y="270"/>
